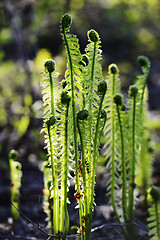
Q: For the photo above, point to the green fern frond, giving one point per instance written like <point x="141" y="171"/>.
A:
<point x="154" y="213"/>
<point x="153" y="233"/>
<point x="16" y="174"/>
<point x="146" y="152"/>
<point x="110" y="144"/>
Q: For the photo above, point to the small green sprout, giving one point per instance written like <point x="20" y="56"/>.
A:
<point x="93" y="35"/>
<point x="66" y="21"/>
<point x="143" y="61"/>
<point x="49" y="65"/>
<point x="102" y="88"/>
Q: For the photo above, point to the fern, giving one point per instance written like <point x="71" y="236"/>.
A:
<point x="16" y="174"/>
<point x="154" y="212"/>
<point x="82" y="77"/>
<point x="72" y="76"/>
<point x="56" y="135"/>
<point x="145" y="157"/>
<point x="144" y="146"/>
<point x="121" y="119"/>
<point x="50" y="97"/>
<point x="110" y="146"/>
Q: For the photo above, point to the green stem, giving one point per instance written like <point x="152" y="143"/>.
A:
<point x="84" y="170"/>
<point x="55" y="192"/>
<point x="90" y="127"/>
<point x="113" y="154"/>
<point x="132" y="165"/>
<point x="74" y="125"/>
<point x="54" y="165"/>
<point x="93" y="166"/>
<point x="83" y="165"/>
<point x="90" y="103"/>
<point x="52" y="93"/>
<point x="143" y="89"/>
<point x="131" y="229"/>
<point x="124" y="180"/>
<point x="64" y="211"/>
<point x="144" y="184"/>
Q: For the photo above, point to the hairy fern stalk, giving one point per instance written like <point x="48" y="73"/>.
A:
<point x="75" y="116"/>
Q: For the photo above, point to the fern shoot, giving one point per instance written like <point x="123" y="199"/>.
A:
<point x="64" y="217"/>
<point x="81" y="117"/>
<point x="111" y="150"/>
<point x="132" y="93"/>
<point x="154" y="212"/>
<point x="49" y="98"/>
<point x="15" y="174"/>
<point x="72" y="49"/>
<point x="100" y="123"/>
<point x="145" y="155"/>
<point x="118" y="102"/>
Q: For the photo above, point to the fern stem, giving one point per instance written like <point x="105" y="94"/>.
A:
<point x="95" y="154"/>
<point x="74" y="124"/>
<point x="64" y="210"/>
<point x="52" y="93"/>
<point x="132" y="164"/>
<point x="54" y="180"/>
<point x="83" y="166"/>
<point x="86" y="212"/>
<point x="90" y="125"/>
<point x="113" y="155"/>
<point x="90" y="103"/>
<point x="124" y="180"/>
<point x="54" y="164"/>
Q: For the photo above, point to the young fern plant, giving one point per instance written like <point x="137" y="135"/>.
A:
<point x="83" y="77"/>
<point x="145" y="156"/>
<point x="154" y="212"/>
<point x="110" y="145"/>
<point x="50" y="133"/>
<point x="15" y="174"/>
<point x="56" y="133"/>
<point x="136" y="127"/>
<point x="121" y="115"/>
<point x="97" y="117"/>
<point x="73" y="80"/>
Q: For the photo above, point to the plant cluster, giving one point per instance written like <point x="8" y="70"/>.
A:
<point x="76" y="114"/>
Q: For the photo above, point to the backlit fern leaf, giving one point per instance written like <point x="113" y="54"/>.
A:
<point x="97" y="75"/>
<point x="111" y="147"/>
<point x="73" y="44"/>
<point x="154" y="232"/>
<point x="93" y="76"/>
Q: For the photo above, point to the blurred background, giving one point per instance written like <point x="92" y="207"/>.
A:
<point x="30" y="33"/>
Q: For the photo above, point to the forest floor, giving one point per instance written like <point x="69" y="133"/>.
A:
<point x="104" y="226"/>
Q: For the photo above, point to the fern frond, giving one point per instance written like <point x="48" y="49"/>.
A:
<point x="153" y="222"/>
<point x="111" y="147"/>
<point x="16" y="174"/>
